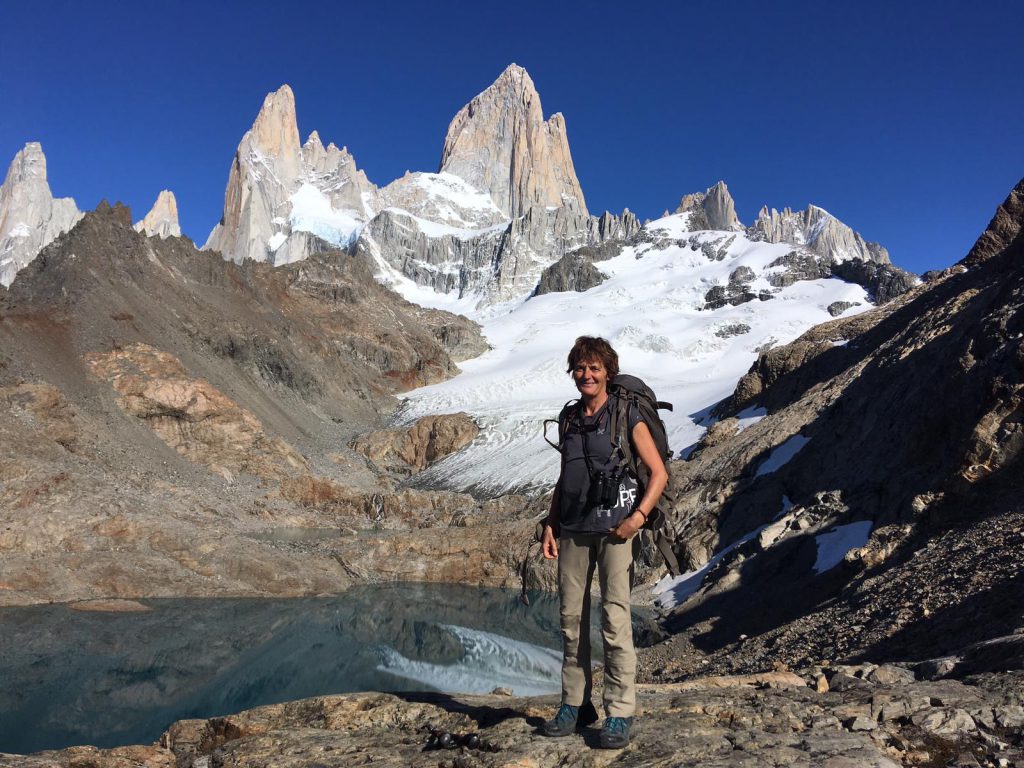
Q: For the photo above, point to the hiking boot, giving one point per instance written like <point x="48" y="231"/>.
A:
<point x="570" y="719"/>
<point x="615" y="732"/>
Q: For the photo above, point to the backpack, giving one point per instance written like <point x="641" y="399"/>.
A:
<point x="631" y="391"/>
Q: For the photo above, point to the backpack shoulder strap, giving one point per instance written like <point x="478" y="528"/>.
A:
<point x="618" y="428"/>
<point x="570" y="409"/>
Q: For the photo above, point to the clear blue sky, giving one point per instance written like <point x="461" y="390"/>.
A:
<point x="904" y="119"/>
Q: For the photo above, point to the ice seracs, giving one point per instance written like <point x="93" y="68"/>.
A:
<point x="30" y="216"/>
<point x="162" y="219"/>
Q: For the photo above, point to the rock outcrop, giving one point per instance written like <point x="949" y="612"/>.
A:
<point x="30" y="216"/>
<point x="501" y="144"/>
<point x="162" y="219"/>
<point x="278" y="190"/>
<point x="712" y="209"/>
<point x="192" y="416"/>
<point x="428" y="440"/>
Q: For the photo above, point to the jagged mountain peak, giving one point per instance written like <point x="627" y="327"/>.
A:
<point x="276" y="130"/>
<point x="819" y="231"/>
<point x="501" y="144"/>
<point x="30" y="217"/>
<point x="278" y="188"/>
<point x="162" y="219"/>
<point x="713" y="208"/>
<point x="29" y="162"/>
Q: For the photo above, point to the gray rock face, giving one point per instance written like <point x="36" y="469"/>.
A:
<point x="505" y="205"/>
<point x="501" y="144"/>
<point x="836" y="308"/>
<point x="497" y="264"/>
<point x="819" y="231"/>
<point x="277" y="187"/>
<point x="572" y="272"/>
<point x="737" y="291"/>
<point x="883" y="281"/>
<point x="711" y="209"/>
<point x="30" y="216"/>
<point x="162" y="219"/>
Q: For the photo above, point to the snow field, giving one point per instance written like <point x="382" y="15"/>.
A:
<point x="650" y="310"/>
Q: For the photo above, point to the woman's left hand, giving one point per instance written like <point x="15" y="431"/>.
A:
<point x="627" y="528"/>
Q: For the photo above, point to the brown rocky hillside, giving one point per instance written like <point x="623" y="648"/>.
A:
<point x="164" y="412"/>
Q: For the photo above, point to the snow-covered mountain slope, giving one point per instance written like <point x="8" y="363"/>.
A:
<point x="654" y="309"/>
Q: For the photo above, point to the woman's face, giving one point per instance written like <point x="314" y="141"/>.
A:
<point x="590" y="377"/>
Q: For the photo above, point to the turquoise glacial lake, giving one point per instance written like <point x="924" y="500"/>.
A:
<point x="76" y="677"/>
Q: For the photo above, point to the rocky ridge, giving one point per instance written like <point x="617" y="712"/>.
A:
<point x="504" y="205"/>
<point x="30" y="216"/>
<point x="817" y="229"/>
<point x="460" y="230"/>
<point x="864" y="512"/>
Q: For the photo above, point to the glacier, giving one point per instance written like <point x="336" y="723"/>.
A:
<point x="652" y="309"/>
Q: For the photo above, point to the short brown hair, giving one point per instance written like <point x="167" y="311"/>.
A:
<point x="589" y="348"/>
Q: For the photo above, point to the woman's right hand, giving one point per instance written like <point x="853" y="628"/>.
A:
<point x="548" y="543"/>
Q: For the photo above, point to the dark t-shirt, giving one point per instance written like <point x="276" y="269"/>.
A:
<point x="586" y="451"/>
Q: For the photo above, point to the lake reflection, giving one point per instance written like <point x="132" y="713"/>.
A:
<point x="106" y="679"/>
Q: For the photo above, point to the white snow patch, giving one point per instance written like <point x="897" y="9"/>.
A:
<point x="750" y="416"/>
<point x="312" y="212"/>
<point x="782" y="454"/>
<point x="671" y="591"/>
<point x="489" y="661"/>
<point x="436" y="229"/>
<point x="836" y="542"/>
<point x="276" y="240"/>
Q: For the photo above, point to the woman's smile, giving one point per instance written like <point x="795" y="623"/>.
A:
<point x="591" y="378"/>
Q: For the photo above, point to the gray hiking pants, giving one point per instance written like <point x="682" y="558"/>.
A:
<point x="578" y="555"/>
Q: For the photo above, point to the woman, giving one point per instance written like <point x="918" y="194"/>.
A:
<point x="591" y="526"/>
